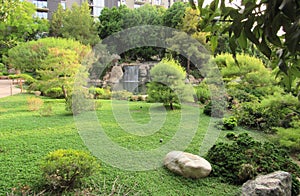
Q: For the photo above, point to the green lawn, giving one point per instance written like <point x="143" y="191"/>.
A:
<point x="26" y="137"/>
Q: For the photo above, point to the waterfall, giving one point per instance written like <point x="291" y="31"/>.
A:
<point x="131" y="78"/>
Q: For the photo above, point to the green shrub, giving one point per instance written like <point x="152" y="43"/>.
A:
<point x="229" y="123"/>
<point x="288" y="139"/>
<point x="55" y="92"/>
<point x="202" y="93"/>
<point x="244" y="158"/>
<point x="121" y="95"/>
<point x="167" y="85"/>
<point x="65" y="169"/>
<point x="274" y="111"/>
<point x="250" y="75"/>
<point x="214" y="110"/>
<point x="96" y="92"/>
<point x="79" y="102"/>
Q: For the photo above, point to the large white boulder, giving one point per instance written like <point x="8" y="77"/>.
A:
<point x="187" y="164"/>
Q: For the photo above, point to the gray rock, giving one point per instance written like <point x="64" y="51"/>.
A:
<point x="274" y="184"/>
<point x="187" y="164"/>
<point x="116" y="74"/>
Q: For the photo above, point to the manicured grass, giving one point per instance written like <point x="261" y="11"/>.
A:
<point x="26" y="137"/>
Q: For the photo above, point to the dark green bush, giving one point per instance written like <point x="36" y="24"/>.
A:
<point x="229" y="123"/>
<point x="55" y="92"/>
<point x="65" y="169"/>
<point x="243" y="158"/>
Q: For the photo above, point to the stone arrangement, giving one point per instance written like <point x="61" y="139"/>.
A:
<point x="278" y="183"/>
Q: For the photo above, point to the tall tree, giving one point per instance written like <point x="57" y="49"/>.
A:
<point x="76" y="23"/>
<point x="174" y="15"/>
<point x="167" y="85"/>
<point x="17" y="24"/>
<point x="56" y="22"/>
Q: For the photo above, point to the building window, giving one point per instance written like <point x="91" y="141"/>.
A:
<point x="40" y="4"/>
<point x="157" y="2"/>
<point x="42" y="15"/>
<point x="63" y="4"/>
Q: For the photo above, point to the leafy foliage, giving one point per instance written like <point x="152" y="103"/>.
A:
<point x="230" y="123"/>
<point x="288" y="139"/>
<point x="274" y="111"/>
<point x="65" y="169"/>
<point x="55" y="92"/>
<point x="174" y="15"/>
<point x="273" y="26"/>
<point x="202" y="92"/>
<point x="55" y="61"/>
<point x="251" y="76"/>
<point x="167" y="84"/>
<point x="65" y="24"/>
<point x="244" y="158"/>
<point x="15" y="29"/>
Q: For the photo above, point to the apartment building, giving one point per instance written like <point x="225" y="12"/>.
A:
<point x="138" y="3"/>
<point x="45" y="8"/>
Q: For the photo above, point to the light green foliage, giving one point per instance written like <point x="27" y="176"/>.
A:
<point x="100" y="93"/>
<point x="190" y="20"/>
<point x="59" y="69"/>
<point x="230" y="123"/>
<point x="250" y="75"/>
<point x="168" y="85"/>
<point x="56" y="22"/>
<point x="55" y="92"/>
<point x="288" y="138"/>
<point x="202" y="92"/>
<point x="65" y="169"/>
<point x="18" y="24"/>
<point x="76" y="23"/>
<point x="55" y="61"/>
<point x="174" y="15"/>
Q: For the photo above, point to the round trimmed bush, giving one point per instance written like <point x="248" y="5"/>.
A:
<point x="65" y="169"/>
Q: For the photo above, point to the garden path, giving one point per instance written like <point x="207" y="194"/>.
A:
<point x="5" y="88"/>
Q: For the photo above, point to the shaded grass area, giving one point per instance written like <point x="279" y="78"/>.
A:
<point x="26" y="137"/>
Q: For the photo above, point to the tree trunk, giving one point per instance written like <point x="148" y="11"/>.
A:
<point x="65" y="92"/>
<point x="188" y="65"/>
<point x="171" y="105"/>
